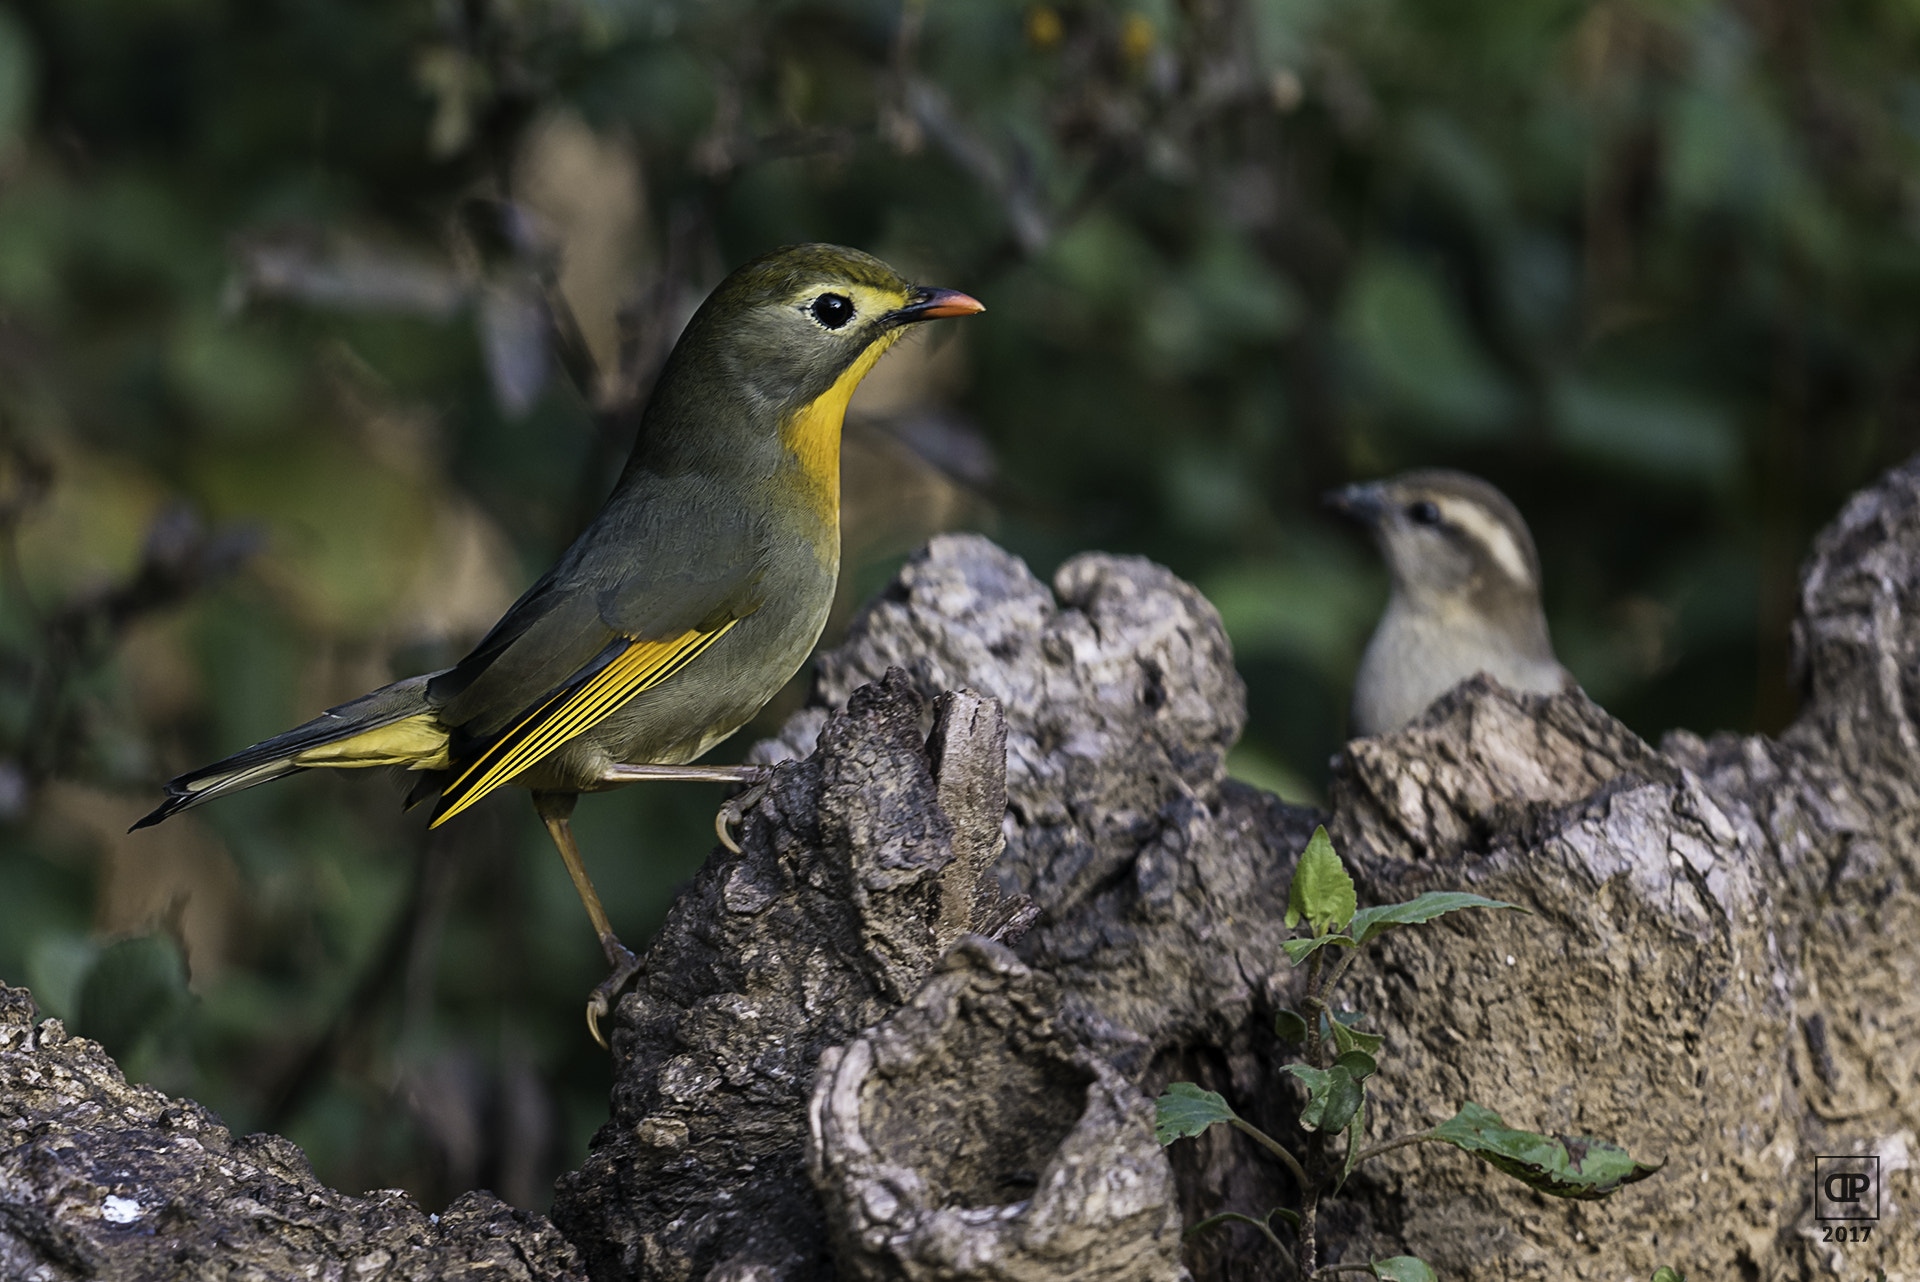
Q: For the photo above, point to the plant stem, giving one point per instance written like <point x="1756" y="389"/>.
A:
<point x="1314" y="1008"/>
<point x="1332" y="1269"/>
<point x="1276" y="1148"/>
<point x="1405" y="1141"/>
<point x="1315" y="964"/>
<point x="1339" y="973"/>
<point x="1305" y="1251"/>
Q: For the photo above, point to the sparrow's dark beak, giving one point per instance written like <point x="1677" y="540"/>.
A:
<point x="1361" y="502"/>
<point x="932" y="304"/>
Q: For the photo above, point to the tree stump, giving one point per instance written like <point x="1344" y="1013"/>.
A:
<point x="1002" y="892"/>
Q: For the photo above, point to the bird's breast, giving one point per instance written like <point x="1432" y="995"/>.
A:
<point x="1415" y="656"/>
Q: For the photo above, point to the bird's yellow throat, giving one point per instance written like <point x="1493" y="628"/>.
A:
<point x="812" y="432"/>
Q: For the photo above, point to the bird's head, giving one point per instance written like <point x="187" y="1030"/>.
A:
<point x="1448" y="539"/>
<point x="792" y="324"/>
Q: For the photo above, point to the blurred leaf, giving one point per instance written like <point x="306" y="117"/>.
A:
<point x="1185" y="1110"/>
<point x="241" y="382"/>
<point x="1658" y="434"/>
<point x="92" y="527"/>
<point x="1358" y="1064"/>
<point x="34" y="235"/>
<point x="140" y="233"/>
<point x="1284" y="30"/>
<point x="58" y="963"/>
<point x="1370" y="923"/>
<point x="1105" y="261"/>
<point x="1539" y="284"/>
<point x="1729" y="151"/>
<point x="1346" y="1039"/>
<point x="1356" y="1137"/>
<point x="1298" y="950"/>
<point x="1403" y="1268"/>
<point x="1174" y="326"/>
<point x="1244" y="299"/>
<point x="18" y="79"/>
<point x="1319" y="605"/>
<point x="346" y="534"/>
<point x="1409" y="336"/>
<point x="1250" y="765"/>
<point x="1454" y="157"/>
<point x="135" y="989"/>
<point x="1334" y="1095"/>
<point x="1208" y="492"/>
<point x="1563" y="1166"/>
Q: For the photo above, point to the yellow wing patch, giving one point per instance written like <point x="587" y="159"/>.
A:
<point x="418" y="742"/>
<point x="572" y="710"/>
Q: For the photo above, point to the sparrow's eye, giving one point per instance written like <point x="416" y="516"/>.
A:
<point x="1425" y="512"/>
<point x="832" y="310"/>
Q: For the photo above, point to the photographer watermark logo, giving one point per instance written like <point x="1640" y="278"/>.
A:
<point x="1846" y="1188"/>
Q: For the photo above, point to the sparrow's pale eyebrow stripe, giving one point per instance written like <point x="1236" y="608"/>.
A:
<point x="1494" y="536"/>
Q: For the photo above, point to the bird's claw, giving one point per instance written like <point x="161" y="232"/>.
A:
<point x="600" y="1001"/>
<point x="734" y="809"/>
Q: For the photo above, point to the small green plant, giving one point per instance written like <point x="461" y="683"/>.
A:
<point x="1340" y="1060"/>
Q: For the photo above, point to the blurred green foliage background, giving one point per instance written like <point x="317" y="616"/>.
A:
<point x="322" y="323"/>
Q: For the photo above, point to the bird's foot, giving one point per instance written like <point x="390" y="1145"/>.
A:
<point x="735" y="808"/>
<point x="600" y="1001"/>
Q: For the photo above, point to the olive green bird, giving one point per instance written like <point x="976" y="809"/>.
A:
<point x="698" y="590"/>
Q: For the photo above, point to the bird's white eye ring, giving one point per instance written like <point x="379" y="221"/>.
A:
<point x="832" y="311"/>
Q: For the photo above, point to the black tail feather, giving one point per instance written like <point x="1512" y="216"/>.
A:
<point x="214" y="781"/>
<point x="273" y="758"/>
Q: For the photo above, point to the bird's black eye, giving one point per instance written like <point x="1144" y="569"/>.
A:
<point x="832" y="310"/>
<point x="1425" y="512"/>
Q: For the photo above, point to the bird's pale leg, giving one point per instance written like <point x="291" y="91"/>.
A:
<point x="556" y="811"/>
<point x="735" y="808"/>
<point x="691" y="774"/>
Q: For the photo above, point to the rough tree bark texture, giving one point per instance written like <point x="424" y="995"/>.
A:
<point x="102" y="1179"/>
<point x="1005" y="892"/>
<point x="1715" y="969"/>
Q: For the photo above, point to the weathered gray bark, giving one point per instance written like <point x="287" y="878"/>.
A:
<point x="831" y="1069"/>
<point x="1700" y="918"/>
<point x="1119" y="707"/>
<point x="920" y="1181"/>
<point x="101" y="1179"/>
